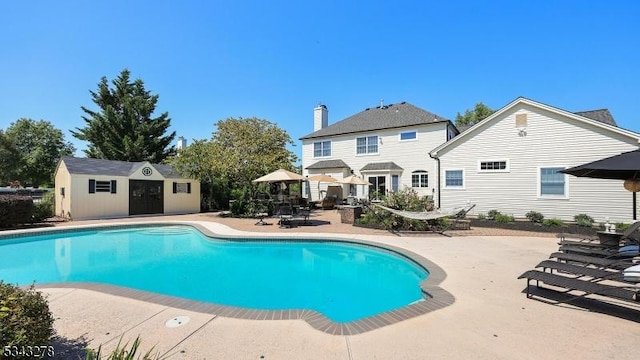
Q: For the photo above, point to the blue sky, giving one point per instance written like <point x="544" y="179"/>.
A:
<point x="276" y="60"/>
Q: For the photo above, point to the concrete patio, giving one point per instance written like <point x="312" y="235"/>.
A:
<point x="490" y="319"/>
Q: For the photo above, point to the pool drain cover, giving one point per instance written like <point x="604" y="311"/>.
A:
<point x="177" y="321"/>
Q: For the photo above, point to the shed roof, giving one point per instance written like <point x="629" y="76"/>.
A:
<point x="90" y="166"/>
<point x="378" y="118"/>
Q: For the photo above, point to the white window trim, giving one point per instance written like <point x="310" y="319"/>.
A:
<point x="419" y="173"/>
<point x="367" y="154"/>
<point x="407" y="140"/>
<point x="508" y="169"/>
<point x="444" y="177"/>
<point x="313" y="149"/>
<point x="539" y="185"/>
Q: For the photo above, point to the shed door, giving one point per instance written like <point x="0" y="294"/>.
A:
<point x="146" y="197"/>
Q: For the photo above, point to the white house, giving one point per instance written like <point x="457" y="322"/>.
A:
<point x="385" y="145"/>
<point x="96" y="188"/>
<point x="510" y="162"/>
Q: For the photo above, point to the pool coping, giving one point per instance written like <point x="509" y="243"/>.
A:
<point x="435" y="297"/>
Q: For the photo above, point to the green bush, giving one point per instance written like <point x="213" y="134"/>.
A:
<point x="123" y="352"/>
<point x="492" y="214"/>
<point x="482" y="217"/>
<point x="583" y="220"/>
<point x="503" y="218"/>
<point x="44" y="209"/>
<point x="622" y="227"/>
<point x="25" y="319"/>
<point x="534" y="217"/>
<point x="15" y="210"/>
<point x="405" y="199"/>
<point x="553" y="222"/>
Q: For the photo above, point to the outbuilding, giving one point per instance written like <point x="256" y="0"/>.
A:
<point x="88" y="188"/>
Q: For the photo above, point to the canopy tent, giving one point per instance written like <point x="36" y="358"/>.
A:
<point x="625" y="166"/>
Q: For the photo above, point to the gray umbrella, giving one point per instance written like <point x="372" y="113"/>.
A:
<point x="625" y="166"/>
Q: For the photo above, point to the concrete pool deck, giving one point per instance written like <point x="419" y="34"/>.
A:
<point x="491" y="317"/>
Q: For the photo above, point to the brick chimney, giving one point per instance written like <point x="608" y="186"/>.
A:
<point x="320" y="117"/>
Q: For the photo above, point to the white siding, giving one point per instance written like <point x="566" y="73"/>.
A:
<point x="551" y="140"/>
<point x="409" y="155"/>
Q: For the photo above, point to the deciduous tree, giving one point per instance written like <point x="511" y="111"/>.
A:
<point x="471" y="117"/>
<point x="37" y="147"/>
<point x="124" y="128"/>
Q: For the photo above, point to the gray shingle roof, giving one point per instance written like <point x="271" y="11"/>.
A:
<point x="326" y="164"/>
<point x="377" y="118"/>
<point x="381" y="166"/>
<point x="88" y="166"/>
<point x="602" y="115"/>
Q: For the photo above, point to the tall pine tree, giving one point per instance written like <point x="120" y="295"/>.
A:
<point x="123" y="128"/>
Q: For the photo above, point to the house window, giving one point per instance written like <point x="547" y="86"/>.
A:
<point x="102" y="186"/>
<point x="494" y="166"/>
<point x="419" y="179"/>
<point x="367" y="145"/>
<point x="408" y="135"/>
<point x="322" y="149"/>
<point x="184" y="188"/>
<point x="395" y="182"/>
<point x="454" y="179"/>
<point x="552" y="182"/>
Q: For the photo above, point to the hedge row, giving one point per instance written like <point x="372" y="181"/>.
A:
<point x="15" y="210"/>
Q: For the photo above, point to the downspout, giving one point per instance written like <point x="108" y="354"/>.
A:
<point x="438" y="170"/>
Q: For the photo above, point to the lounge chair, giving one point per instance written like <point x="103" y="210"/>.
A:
<point x="622" y="292"/>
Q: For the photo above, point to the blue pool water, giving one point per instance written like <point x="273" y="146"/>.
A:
<point x="345" y="282"/>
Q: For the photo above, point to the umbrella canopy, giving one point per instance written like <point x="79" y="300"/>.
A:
<point x="322" y="178"/>
<point x="353" y="180"/>
<point x="621" y="167"/>
<point x="625" y="166"/>
<point x="281" y="175"/>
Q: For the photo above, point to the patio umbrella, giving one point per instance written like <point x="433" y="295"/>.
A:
<point x="354" y="180"/>
<point x="625" y="166"/>
<point x="281" y="175"/>
<point x="322" y="178"/>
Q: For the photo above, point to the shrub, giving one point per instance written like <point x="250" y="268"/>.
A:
<point x="492" y="214"/>
<point x="15" y="210"/>
<point x="482" y="217"/>
<point x="553" y="222"/>
<point x="622" y="227"/>
<point x="405" y="199"/>
<point x="583" y="220"/>
<point x="534" y="217"/>
<point x="44" y="209"/>
<point x="123" y="352"/>
<point x="503" y="218"/>
<point x="25" y="319"/>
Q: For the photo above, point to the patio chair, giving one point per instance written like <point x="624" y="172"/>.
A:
<point x="285" y="213"/>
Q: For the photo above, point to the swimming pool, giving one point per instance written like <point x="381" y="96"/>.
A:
<point x="344" y="282"/>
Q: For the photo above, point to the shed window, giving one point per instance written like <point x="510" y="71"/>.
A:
<point x="102" y="186"/>
<point x="184" y="188"/>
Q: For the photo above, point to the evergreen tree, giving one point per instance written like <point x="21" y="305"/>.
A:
<point x="123" y="128"/>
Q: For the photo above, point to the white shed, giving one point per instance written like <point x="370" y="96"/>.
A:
<point x="95" y="188"/>
<point x="510" y="162"/>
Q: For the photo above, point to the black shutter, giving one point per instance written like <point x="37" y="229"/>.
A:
<point x="113" y="186"/>
<point x="175" y="187"/>
<point x="188" y="188"/>
<point x="92" y="186"/>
